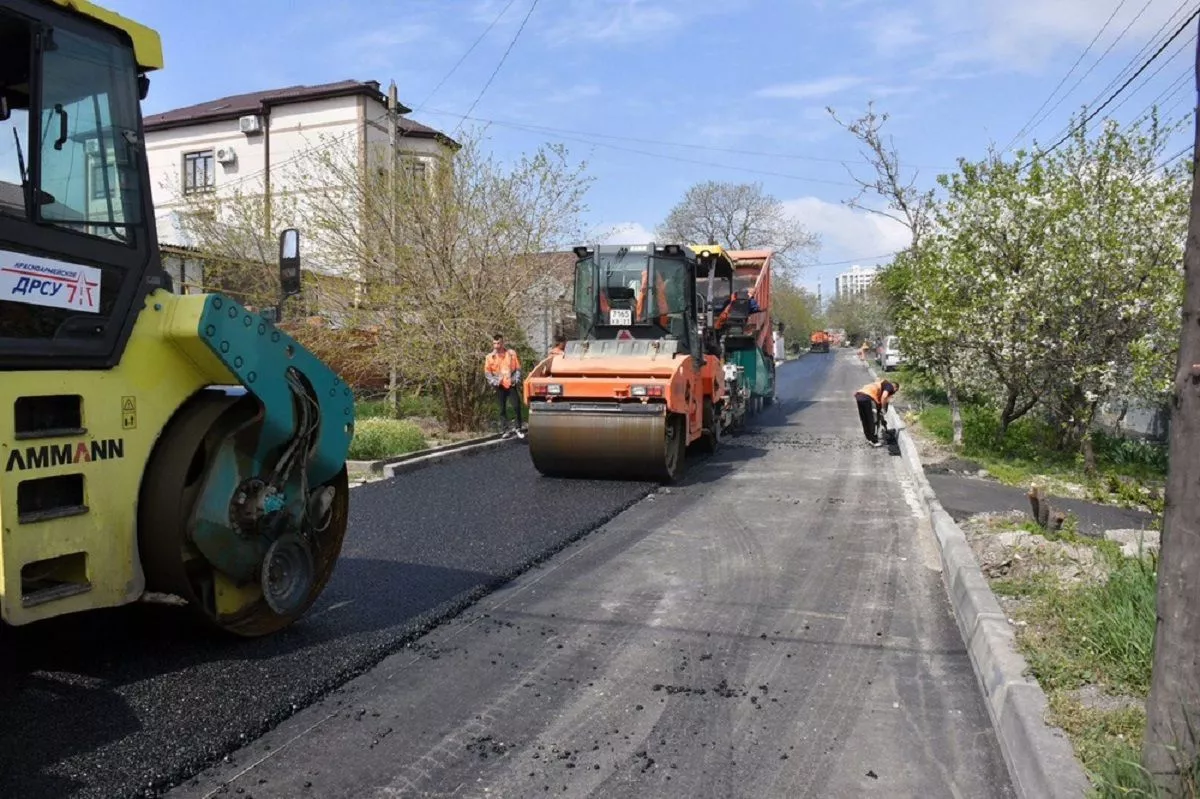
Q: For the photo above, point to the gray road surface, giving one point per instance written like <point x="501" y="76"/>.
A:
<point x="774" y="627"/>
<point x="122" y="703"/>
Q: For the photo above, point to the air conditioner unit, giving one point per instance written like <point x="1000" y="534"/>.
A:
<point x="226" y="155"/>
<point x="250" y="124"/>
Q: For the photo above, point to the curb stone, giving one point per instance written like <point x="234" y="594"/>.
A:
<point x="1041" y="760"/>
<point x="386" y="468"/>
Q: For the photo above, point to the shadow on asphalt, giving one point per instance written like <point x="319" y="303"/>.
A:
<point x="50" y="670"/>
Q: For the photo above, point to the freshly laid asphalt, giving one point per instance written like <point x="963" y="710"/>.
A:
<point x="775" y="625"/>
<point x="125" y="703"/>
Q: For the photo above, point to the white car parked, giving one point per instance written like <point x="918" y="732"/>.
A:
<point x="889" y="355"/>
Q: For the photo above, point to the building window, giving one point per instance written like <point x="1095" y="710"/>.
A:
<point x="414" y="168"/>
<point x="199" y="173"/>
<point x="100" y="189"/>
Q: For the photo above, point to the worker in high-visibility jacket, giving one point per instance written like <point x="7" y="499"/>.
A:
<point x="660" y="297"/>
<point x="502" y="369"/>
<point x="559" y="348"/>
<point x="728" y="306"/>
<point x="871" y="399"/>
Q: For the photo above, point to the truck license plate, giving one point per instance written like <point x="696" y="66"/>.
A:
<point x="620" y="316"/>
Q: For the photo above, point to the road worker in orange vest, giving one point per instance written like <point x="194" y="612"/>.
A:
<point x="871" y="399"/>
<point x="502" y="369"/>
<point x="560" y="346"/>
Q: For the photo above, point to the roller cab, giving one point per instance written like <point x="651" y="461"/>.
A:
<point x="641" y="382"/>
<point x="149" y="442"/>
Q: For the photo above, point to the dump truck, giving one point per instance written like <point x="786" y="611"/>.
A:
<point x="716" y="300"/>
<point x="819" y="341"/>
<point x="641" y="382"/>
<point x="748" y="338"/>
<point x="154" y="443"/>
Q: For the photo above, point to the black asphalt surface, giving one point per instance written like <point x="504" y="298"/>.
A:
<point x="774" y="626"/>
<point x="124" y="703"/>
<point x="964" y="496"/>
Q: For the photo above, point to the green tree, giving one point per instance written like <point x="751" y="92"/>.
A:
<point x="797" y="308"/>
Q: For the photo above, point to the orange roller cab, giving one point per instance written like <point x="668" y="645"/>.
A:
<point x="643" y="380"/>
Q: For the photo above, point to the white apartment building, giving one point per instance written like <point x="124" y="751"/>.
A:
<point x="252" y="143"/>
<point x="854" y="281"/>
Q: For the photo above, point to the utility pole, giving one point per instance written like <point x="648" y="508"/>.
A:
<point x="393" y="137"/>
<point x="1173" y="706"/>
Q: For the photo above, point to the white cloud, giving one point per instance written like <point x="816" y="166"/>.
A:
<point x="810" y="89"/>
<point x="951" y="36"/>
<point x="848" y="232"/>
<point x="622" y="22"/>
<point x="893" y="32"/>
<point x="622" y="233"/>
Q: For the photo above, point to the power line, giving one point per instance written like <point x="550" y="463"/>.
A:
<point x="1161" y="67"/>
<point x="470" y="49"/>
<point x="1131" y="64"/>
<point x="1082" y="55"/>
<point x="1173" y="88"/>
<point x="711" y="164"/>
<point x="1114" y="95"/>
<point x="317" y="148"/>
<point x="854" y="260"/>
<point x="1145" y="48"/>
<point x="1096" y="63"/>
<point x="503" y="58"/>
<point x="656" y="142"/>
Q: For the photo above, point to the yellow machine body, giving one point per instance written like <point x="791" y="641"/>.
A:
<point x="87" y="556"/>
<point x="149" y="441"/>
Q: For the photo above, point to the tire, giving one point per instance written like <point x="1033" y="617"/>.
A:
<point x="710" y="439"/>
<point x="676" y="460"/>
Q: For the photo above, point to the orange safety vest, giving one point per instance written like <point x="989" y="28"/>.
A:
<point x="873" y="390"/>
<point x="557" y="351"/>
<point x="660" y="292"/>
<point x="503" y="364"/>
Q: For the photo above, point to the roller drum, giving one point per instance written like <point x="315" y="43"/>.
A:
<point x="635" y="443"/>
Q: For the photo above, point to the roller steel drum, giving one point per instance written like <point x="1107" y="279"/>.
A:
<point x="629" y="441"/>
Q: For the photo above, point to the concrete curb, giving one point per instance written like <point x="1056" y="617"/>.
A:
<point x="390" y="467"/>
<point x="1041" y="761"/>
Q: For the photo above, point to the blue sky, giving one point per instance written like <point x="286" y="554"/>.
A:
<point x="714" y="89"/>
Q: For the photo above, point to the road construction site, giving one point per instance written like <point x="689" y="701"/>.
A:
<point x="775" y="624"/>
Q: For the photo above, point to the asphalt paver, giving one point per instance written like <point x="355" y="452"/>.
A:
<point x="773" y="626"/>
<point x="125" y="703"/>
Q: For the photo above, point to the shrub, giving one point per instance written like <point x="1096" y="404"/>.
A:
<point x="376" y="438"/>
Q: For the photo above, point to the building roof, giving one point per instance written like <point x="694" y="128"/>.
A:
<point x="13" y="196"/>
<point x="238" y="105"/>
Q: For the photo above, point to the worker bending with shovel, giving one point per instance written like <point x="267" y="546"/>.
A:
<point x="871" y="399"/>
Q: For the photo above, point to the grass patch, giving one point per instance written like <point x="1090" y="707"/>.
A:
<point x="1100" y="634"/>
<point x="407" y="406"/>
<point x="1119" y="775"/>
<point x="376" y="438"/>
<point x="1129" y="472"/>
<point x="1090" y="647"/>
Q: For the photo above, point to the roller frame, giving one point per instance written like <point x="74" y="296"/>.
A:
<point x="577" y="439"/>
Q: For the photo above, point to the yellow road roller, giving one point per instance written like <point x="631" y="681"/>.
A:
<point x="150" y="441"/>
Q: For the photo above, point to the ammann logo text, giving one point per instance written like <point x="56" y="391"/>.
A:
<point x="65" y="454"/>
